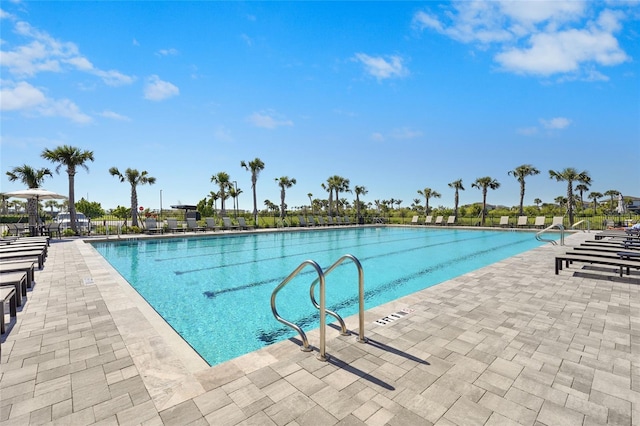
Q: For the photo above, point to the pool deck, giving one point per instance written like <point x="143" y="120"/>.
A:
<point x="511" y="343"/>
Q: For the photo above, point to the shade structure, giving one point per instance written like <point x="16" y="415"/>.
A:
<point x="37" y="194"/>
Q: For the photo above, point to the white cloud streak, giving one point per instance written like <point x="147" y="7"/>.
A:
<point x="268" y="120"/>
<point x="157" y="90"/>
<point x="540" y="38"/>
<point x="382" y="68"/>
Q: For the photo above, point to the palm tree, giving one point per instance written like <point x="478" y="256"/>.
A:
<point x="428" y="193"/>
<point x="284" y="182"/>
<point x="222" y="180"/>
<point x="310" y="195"/>
<point x="611" y="193"/>
<point x="70" y="157"/>
<point x="32" y="178"/>
<point x="359" y="190"/>
<point x="537" y="202"/>
<point x="520" y="173"/>
<point x="457" y="185"/>
<point x="582" y="188"/>
<point x="255" y="166"/>
<point x="135" y="178"/>
<point x="484" y="183"/>
<point x="214" y="196"/>
<point x="595" y="196"/>
<point x="570" y="175"/>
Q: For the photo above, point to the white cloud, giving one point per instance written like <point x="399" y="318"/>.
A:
<point x="158" y="90"/>
<point x="382" y="68"/>
<point x="167" y="52"/>
<point x="24" y="97"/>
<point x="114" y="116"/>
<point x="20" y="96"/>
<point x="268" y="120"/>
<point x="64" y="108"/>
<point x="43" y="53"/>
<point x="556" y="123"/>
<point x="540" y="38"/>
<point x="222" y="134"/>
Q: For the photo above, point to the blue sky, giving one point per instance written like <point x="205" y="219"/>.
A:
<point x="395" y="96"/>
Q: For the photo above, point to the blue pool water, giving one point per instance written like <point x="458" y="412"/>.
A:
<point x="215" y="291"/>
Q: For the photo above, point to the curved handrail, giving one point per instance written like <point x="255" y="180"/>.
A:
<point x="573" y="227"/>
<point x="343" y="327"/>
<point x="555" y="225"/>
<point x="303" y="336"/>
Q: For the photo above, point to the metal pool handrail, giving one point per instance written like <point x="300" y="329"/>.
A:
<point x="322" y="356"/>
<point x="556" y="225"/>
<point x="343" y="327"/>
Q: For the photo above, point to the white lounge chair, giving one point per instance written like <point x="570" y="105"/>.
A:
<point x="428" y="220"/>
<point x="438" y="220"/>
<point x="522" y="221"/>
<point x="539" y="223"/>
<point x="558" y="220"/>
<point x="414" y="220"/>
<point x="504" y="220"/>
<point x="451" y="220"/>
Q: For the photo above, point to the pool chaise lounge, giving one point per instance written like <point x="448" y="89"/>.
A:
<point x="451" y="220"/>
<point x="17" y="280"/>
<point x="25" y="254"/>
<point x="27" y="266"/>
<point x="7" y="294"/>
<point x="242" y="224"/>
<point x="227" y="224"/>
<point x="192" y="225"/>
<point x="151" y="226"/>
<point x="622" y="260"/>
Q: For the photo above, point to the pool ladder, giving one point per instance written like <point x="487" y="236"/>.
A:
<point x="322" y="355"/>
<point x="557" y="225"/>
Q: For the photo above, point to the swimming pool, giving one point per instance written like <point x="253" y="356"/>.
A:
<point x="215" y="291"/>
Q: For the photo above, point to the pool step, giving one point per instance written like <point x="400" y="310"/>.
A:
<point x="392" y="317"/>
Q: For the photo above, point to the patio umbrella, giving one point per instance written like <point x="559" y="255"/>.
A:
<point x="621" y="208"/>
<point x="37" y="194"/>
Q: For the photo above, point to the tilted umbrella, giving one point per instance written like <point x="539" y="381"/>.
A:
<point x="37" y="194"/>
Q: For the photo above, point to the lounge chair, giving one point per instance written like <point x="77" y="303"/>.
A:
<point x="26" y="266"/>
<point x="172" y="225"/>
<point x="339" y="221"/>
<point x="52" y="229"/>
<point x="451" y="220"/>
<point x="428" y="220"/>
<point x="192" y="225"/>
<point x="621" y="260"/>
<point x="312" y="222"/>
<point x="414" y="220"/>
<point x="242" y="223"/>
<point x="17" y="280"/>
<point x="227" y="224"/>
<point x="35" y="254"/>
<point x="330" y="221"/>
<point x="539" y="223"/>
<point x="302" y="221"/>
<point x="438" y="220"/>
<point x="210" y="224"/>
<point x="151" y="226"/>
<point x="7" y="294"/>
<point x="504" y="221"/>
<point x="347" y="220"/>
<point x="321" y="221"/>
<point x="557" y="220"/>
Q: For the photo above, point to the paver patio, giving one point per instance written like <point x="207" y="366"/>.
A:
<point x="511" y="343"/>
